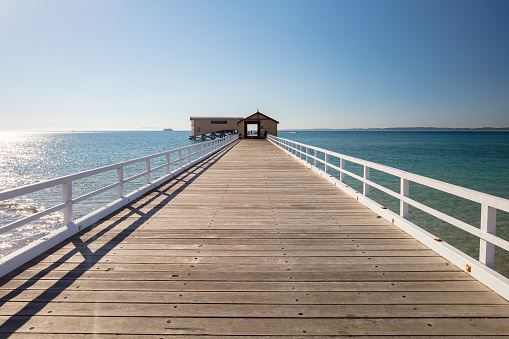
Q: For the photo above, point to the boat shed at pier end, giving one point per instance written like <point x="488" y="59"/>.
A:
<point x="255" y="126"/>
<point x="264" y="125"/>
<point x="213" y="127"/>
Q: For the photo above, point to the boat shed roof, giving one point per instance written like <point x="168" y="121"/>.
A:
<point x="258" y="116"/>
<point x="216" y="118"/>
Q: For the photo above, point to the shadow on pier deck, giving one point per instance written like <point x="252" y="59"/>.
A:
<point x="247" y="243"/>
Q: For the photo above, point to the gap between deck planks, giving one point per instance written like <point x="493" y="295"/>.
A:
<point x="247" y="243"/>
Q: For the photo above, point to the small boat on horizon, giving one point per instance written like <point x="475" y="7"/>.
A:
<point x="168" y="130"/>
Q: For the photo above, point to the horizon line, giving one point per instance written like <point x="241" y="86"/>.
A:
<point x="281" y="130"/>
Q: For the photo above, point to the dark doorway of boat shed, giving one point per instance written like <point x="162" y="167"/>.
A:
<point x="252" y="130"/>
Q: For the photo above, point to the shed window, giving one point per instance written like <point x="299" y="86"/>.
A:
<point x="219" y="122"/>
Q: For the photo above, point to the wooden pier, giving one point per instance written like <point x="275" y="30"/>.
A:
<point x="247" y="243"/>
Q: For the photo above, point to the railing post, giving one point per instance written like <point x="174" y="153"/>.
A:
<point x="404" y="191"/>
<point x="147" y="166"/>
<point x="488" y="225"/>
<point x="365" y="185"/>
<point x="168" y="163"/>
<point x="307" y="154"/>
<point x="66" y="197"/>
<point x="120" y="179"/>
<point x="316" y="154"/>
<point x="326" y="163"/>
<point x="342" y="165"/>
<point x="180" y="158"/>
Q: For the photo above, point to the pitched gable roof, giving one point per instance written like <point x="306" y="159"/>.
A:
<point x="258" y="116"/>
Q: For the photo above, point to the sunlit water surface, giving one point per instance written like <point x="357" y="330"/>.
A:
<point x="28" y="158"/>
<point x="476" y="160"/>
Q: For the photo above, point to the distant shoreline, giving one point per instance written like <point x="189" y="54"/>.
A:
<point x="404" y="129"/>
<point x="390" y="129"/>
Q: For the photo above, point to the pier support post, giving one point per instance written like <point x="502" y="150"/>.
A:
<point x="404" y="191"/>
<point x="342" y="165"/>
<point x="365" y="185"/>
<point x="120" y="180"/>
<point x="66" y="197"/>
<point x="147" y="177"/>
<point x="488" y="225"/>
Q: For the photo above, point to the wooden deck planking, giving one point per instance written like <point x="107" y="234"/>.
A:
<point x="248" y="243"/>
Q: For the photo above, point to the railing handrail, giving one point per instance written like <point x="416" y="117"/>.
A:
<point x="189" y="158"/>
<point x="484" y="266"/>
<point x="463" y="192"/>
<point x="31" y="188"/>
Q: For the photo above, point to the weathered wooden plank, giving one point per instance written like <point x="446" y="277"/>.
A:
<point x="247" y="253"/>
<point x="188" y="275"/>
<point x="262" y="297"/>
<point x="165" y="309"/>
<point x="247" y="244"/>
<point x="128" y="336"/>
<point x="252" y="260"/>
<point x="255" y="326"/>
<point x="262" y="245"/>
<point x="190" y="285"/>
<point x="256" y="267"/>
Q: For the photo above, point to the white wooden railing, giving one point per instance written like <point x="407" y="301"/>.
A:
<point x="185" y="157"/>
<point x="481" y="269"/>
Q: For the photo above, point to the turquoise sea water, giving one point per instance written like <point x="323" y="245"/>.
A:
<point x="27" y="158"/>
<point x="476" y="160"/>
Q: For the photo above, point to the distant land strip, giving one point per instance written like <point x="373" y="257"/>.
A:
<point x="406" y="129"/>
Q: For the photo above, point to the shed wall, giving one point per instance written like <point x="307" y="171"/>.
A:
<point x="203" y="126"/>
<point x="266" y="124"/>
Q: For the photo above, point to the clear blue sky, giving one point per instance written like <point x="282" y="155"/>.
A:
<point x="124" y="65"/>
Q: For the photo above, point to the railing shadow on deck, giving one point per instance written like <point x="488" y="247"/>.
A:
<point x="39" y="302"/>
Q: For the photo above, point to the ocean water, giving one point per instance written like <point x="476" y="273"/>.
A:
<point x="28" y="158"/>
<point x="476" y="160"/>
